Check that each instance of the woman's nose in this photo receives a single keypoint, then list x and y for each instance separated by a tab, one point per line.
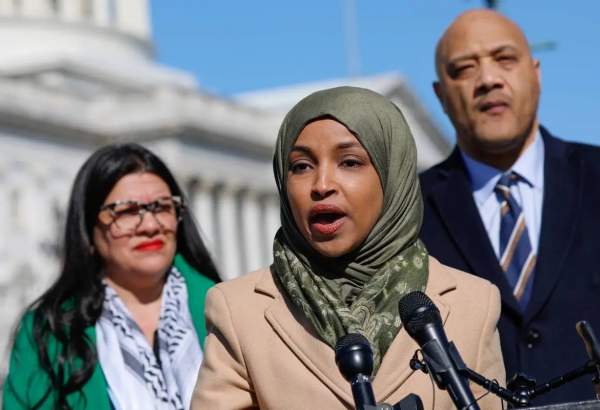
148	223
324	183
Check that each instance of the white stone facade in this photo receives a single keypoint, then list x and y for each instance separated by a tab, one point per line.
77	74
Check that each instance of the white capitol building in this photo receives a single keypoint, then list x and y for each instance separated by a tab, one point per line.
77	74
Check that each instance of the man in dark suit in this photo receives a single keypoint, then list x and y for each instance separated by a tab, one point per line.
513	204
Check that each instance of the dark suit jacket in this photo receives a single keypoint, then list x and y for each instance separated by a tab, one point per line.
542	341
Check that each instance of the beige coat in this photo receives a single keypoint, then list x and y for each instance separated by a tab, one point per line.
261	352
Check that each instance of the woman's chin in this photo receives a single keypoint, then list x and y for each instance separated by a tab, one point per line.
333	248
148	268
158	261
153	268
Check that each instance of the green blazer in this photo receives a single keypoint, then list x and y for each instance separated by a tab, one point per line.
27	383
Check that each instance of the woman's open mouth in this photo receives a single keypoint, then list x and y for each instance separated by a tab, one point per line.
326	219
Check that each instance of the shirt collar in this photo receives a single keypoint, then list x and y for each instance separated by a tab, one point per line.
529	166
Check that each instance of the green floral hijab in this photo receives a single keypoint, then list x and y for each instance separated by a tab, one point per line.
358	292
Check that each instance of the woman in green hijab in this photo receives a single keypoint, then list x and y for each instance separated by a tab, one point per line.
346	253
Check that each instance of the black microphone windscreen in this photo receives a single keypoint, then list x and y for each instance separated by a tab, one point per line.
417	310
423	322
349	340
353	355
585	331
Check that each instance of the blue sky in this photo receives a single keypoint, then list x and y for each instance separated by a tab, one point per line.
235	46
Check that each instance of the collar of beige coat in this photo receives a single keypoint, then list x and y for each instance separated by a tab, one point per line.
295	331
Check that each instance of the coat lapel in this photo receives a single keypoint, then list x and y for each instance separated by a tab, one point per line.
395	367
454	201
563	187
295	331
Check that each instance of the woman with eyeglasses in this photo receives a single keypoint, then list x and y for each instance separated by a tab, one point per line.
347	252
122	326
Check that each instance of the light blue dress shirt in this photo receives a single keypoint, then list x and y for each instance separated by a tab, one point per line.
528	191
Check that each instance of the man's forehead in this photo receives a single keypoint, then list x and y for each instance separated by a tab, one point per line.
479	31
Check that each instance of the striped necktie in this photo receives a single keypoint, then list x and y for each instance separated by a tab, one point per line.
517	258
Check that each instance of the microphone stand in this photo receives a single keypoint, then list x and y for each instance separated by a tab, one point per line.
527	391
592	347
410	402
521	389
524	389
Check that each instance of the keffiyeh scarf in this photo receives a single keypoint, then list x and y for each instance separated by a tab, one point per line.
138	375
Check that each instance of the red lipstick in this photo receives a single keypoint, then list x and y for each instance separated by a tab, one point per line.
154	245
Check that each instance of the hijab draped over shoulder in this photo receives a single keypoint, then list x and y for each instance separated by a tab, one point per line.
358	292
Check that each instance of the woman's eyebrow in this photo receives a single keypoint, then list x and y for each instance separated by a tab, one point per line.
301	148
348	144
341	146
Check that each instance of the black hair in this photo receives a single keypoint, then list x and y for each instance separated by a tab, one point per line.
74	301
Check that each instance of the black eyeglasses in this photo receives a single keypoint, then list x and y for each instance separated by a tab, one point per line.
127	216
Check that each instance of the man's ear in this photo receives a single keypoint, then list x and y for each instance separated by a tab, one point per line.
538	70
439	92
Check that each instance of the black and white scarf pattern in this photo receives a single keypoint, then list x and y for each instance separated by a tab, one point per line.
137	377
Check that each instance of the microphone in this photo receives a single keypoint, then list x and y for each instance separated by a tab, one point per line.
422	320
354	358
589	339
593	350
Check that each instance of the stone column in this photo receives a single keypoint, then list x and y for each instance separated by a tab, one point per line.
228	229
102	12
17	181
37	217
35	212
132	17
36	8
71	9
6	7
4	227
252	240
57	199
203	208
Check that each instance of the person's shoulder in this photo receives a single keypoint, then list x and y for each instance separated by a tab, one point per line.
585	151
429	177
434	171
244	282
242	300
458	280
24	329
248	286
572	148
474	301
23	356
25	341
